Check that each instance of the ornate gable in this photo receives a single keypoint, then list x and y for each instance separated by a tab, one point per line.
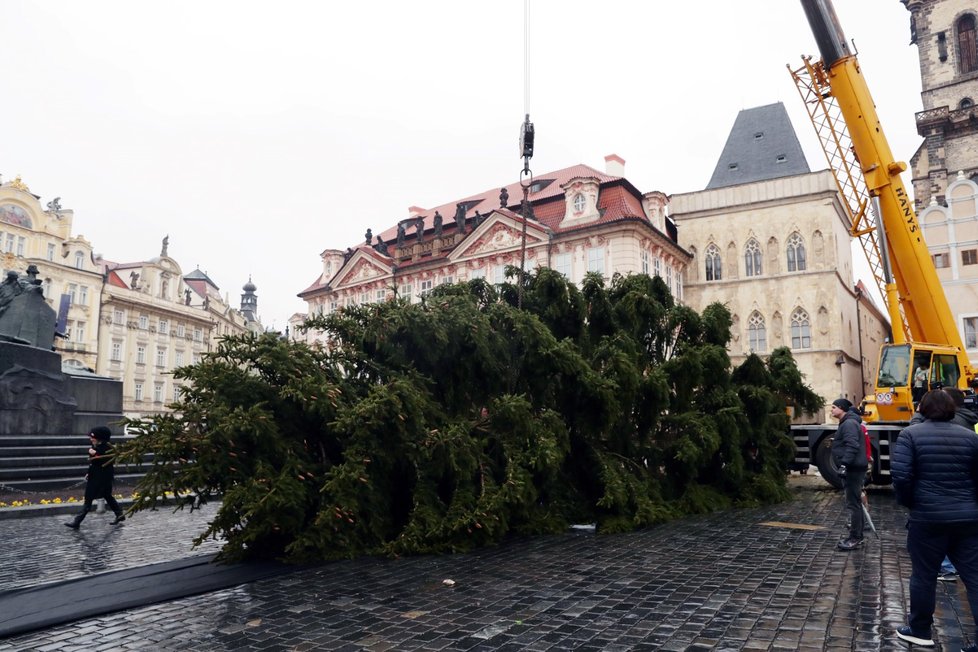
360	269
498	234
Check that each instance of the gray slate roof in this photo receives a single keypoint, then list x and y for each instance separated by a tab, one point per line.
762	145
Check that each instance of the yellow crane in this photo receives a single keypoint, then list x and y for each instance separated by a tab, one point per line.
926	350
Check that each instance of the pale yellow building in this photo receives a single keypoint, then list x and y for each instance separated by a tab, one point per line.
32	235
155	319
135	321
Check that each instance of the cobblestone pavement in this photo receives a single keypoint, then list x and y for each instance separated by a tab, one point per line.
725	581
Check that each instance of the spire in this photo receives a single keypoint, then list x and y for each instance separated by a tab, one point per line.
249	301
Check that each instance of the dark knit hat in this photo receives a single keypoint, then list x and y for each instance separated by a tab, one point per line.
102	433
842	404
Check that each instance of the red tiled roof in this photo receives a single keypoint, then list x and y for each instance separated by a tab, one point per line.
485	202
617	200
113	279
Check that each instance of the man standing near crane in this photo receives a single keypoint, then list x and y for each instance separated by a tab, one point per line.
849	453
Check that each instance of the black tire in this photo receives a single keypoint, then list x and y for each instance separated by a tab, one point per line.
823	460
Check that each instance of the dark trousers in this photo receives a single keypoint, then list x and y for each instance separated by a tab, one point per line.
927	545
854	501
94	493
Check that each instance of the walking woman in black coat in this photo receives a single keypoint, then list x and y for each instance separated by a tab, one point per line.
100	476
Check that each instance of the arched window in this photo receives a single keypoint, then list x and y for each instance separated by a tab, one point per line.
801	330
756	333
79	260
752	258
967	43
796	253
713	263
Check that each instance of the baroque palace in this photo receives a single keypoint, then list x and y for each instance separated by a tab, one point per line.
766	237
135	321
583	221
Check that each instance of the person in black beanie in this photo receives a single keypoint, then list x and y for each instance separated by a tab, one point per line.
100	476
849	454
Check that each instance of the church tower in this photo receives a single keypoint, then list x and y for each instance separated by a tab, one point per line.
249	301
944	32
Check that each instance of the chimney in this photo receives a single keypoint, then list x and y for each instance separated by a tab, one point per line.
614	165
415	211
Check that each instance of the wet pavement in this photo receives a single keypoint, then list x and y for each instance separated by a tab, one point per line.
750	579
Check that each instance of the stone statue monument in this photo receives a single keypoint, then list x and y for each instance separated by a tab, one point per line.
36	396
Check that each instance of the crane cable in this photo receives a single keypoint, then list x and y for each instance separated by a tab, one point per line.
526	150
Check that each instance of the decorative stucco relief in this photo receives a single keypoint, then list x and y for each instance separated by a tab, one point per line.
500	236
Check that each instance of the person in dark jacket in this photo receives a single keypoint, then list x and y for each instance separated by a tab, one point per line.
934	467
849	454
963	416
100	476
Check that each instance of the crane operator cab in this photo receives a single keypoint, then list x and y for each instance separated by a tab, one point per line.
906	373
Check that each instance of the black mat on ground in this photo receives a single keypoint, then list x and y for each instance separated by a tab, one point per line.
57	603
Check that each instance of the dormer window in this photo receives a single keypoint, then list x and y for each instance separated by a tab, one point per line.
579	203
537	186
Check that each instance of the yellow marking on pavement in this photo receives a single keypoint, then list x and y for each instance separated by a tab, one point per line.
413	614
793	526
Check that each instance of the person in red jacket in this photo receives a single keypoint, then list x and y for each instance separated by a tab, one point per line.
100	476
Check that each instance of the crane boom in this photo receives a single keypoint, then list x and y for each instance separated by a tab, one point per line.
925	339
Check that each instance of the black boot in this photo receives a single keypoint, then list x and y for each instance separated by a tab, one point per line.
119	518
75	523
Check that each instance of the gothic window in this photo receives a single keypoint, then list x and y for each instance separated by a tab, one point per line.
967	43
756	333
752	258
713	263
801	330
796	253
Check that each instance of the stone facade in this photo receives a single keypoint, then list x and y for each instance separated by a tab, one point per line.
583	220
945	167
778	254
945	34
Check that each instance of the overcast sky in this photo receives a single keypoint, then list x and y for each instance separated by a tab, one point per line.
256	135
